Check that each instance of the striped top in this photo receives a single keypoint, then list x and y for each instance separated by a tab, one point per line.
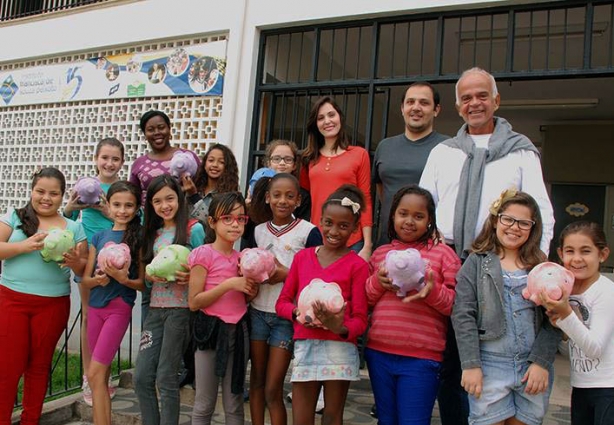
416	329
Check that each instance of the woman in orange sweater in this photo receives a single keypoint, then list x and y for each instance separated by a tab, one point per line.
329	162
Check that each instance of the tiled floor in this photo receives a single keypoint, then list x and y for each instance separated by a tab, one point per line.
360	400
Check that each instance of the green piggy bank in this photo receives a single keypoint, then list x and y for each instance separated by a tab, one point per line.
56	244
168	261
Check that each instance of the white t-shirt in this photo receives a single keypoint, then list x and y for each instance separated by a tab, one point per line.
284	243
520	170
591	336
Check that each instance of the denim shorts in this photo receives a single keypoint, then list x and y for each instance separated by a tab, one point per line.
503	393
269	327
322	360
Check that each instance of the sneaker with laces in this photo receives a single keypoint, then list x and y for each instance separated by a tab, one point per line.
87	392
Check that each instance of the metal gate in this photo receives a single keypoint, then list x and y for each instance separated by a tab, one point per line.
360	61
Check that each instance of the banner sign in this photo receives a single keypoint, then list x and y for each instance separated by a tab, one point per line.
196	70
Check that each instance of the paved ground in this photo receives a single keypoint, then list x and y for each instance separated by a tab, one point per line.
360	400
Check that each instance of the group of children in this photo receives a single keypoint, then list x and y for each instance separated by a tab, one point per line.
506	343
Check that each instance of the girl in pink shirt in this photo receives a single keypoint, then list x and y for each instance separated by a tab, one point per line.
327	355
220	296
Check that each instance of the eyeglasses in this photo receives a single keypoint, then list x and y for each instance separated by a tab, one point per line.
229	219
509	221
287	159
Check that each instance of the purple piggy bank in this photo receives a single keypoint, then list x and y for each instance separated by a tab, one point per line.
183	163
257	264
89	190
114	254
406	269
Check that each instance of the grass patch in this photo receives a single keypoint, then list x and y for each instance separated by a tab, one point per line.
66	378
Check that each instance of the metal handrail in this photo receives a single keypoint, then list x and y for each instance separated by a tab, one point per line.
15	9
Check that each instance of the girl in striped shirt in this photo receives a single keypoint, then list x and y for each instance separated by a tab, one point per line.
408	335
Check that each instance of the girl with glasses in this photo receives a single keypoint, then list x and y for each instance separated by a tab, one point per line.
281	156
507	349
220	296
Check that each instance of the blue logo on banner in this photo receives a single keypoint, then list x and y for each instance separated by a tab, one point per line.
8	89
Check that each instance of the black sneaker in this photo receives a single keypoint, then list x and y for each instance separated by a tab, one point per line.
186	377
373	412
245	395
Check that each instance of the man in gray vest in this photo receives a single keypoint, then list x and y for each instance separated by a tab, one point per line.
399	160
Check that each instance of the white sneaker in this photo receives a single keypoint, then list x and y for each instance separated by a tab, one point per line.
112	389
320	403
87	392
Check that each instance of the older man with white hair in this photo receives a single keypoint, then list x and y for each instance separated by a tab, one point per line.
465	175
468	172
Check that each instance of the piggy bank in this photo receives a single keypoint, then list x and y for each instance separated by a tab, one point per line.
56	244
183	163
555	279
257	264
168	262
328	293
89	190
114	254
406	269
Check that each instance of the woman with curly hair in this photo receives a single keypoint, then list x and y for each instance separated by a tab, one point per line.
156	126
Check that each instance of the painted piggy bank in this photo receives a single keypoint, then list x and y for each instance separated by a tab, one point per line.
328	293
183	163
257	264
114	254
406	269
89	190
168	261
56	244
555	279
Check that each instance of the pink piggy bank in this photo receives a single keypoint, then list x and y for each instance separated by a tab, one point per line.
406	269
89	190
328	293
113	254
257	264
555	279
183	163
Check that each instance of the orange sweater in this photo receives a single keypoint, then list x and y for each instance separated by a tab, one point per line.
351	167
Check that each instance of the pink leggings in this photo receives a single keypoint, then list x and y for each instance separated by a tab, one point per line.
106	327
30	326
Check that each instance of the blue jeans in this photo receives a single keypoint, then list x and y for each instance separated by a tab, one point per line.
164	339
404	387
594	406
269	327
